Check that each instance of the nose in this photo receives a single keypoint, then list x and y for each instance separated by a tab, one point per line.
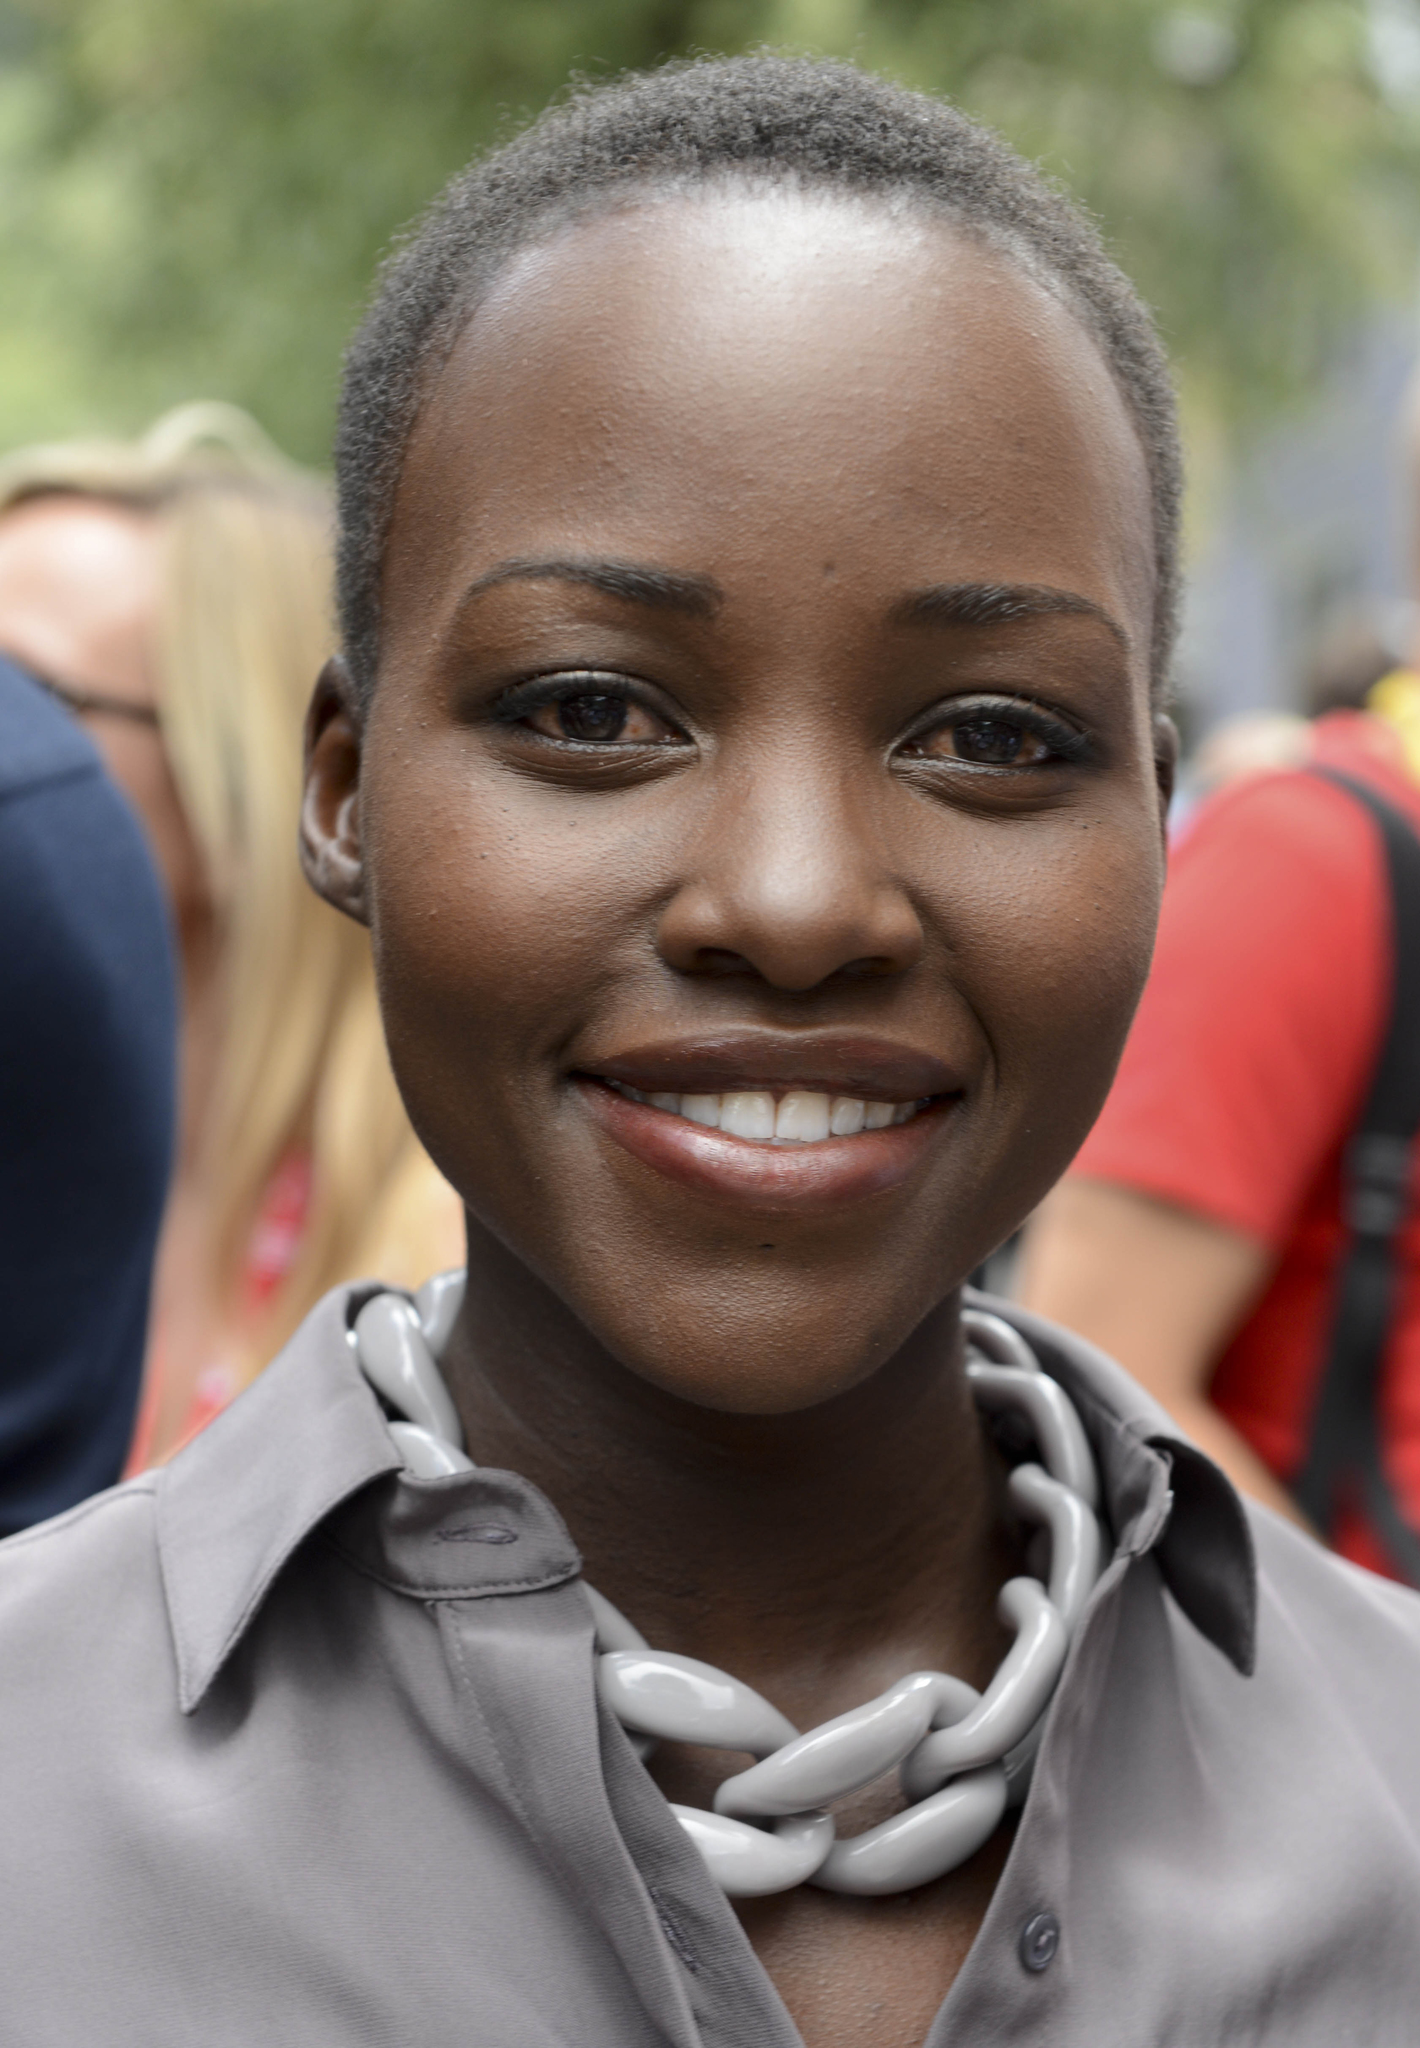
790	880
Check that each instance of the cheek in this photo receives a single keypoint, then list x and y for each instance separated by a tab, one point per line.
1059	953
491	924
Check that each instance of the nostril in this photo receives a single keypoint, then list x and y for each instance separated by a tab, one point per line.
719	960
866	969
791	931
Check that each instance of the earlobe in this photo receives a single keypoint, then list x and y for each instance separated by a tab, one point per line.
331	853
1166	749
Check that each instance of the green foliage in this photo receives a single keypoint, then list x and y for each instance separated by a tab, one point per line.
1257	209
196	191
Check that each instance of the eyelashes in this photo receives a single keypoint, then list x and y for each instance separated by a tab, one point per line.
997	733
587	708
595	711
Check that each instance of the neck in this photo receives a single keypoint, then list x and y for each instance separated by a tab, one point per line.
816	1554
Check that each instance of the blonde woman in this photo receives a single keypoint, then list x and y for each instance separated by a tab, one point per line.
175	593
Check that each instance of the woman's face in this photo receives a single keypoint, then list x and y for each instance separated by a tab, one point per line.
80	589
761	750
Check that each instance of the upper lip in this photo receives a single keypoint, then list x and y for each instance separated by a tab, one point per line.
871	1069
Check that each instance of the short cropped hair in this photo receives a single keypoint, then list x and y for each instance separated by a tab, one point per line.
811	122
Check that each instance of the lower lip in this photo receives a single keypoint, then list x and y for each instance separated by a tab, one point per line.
776	1179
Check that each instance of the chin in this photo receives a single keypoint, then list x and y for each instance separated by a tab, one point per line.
763	1370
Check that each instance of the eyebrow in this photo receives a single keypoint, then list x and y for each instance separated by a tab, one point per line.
670	590
942	604
998	604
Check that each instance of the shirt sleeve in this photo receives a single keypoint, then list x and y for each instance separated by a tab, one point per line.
1260	1024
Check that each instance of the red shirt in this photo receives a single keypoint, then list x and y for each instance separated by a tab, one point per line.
1246	1069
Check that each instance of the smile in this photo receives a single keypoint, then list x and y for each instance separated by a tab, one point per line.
793	1116
775	1149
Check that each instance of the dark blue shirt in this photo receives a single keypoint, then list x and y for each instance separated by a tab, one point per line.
87	1064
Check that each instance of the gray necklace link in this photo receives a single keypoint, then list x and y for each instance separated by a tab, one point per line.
963	1756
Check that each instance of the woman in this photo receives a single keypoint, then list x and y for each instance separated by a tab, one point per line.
758	514
176	594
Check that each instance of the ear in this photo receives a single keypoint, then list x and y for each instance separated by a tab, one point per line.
1166	745
331	854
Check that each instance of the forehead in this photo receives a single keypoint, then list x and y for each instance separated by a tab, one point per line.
742	380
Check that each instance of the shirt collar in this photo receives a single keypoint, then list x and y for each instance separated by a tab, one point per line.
1161	1493
310	1434
248	1491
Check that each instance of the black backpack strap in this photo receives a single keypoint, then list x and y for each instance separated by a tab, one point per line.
1345	1443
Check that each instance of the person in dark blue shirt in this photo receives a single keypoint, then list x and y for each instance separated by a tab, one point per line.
87	1075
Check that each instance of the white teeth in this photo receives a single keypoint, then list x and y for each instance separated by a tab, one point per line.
699	1109
748	1114
845	1119
801	1116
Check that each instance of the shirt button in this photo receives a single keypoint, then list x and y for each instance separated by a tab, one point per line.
477	1532
1040	1938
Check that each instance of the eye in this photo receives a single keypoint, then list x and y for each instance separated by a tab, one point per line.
992	742
589	711
594	717
997	735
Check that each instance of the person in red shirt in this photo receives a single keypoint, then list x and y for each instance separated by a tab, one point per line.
1199	1235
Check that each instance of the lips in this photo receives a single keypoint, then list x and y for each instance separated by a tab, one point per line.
870	1069
773	1124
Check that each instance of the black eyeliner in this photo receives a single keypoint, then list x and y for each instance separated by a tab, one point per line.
517	701
1067	742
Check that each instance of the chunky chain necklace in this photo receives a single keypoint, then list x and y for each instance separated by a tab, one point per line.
963	1756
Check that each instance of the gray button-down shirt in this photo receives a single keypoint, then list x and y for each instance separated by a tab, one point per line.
298	1749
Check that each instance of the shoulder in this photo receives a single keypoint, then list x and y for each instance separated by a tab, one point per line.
91	1678
103	1549
1300	826
84	1628
83	920
1277	882
75	857
1277	891
1329	1714
39	743
1318	1609
1297	1627
1283	834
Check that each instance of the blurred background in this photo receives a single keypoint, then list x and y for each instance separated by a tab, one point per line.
196	191
194	195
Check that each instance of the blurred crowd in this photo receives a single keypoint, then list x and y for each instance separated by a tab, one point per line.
1241	1229
164	608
